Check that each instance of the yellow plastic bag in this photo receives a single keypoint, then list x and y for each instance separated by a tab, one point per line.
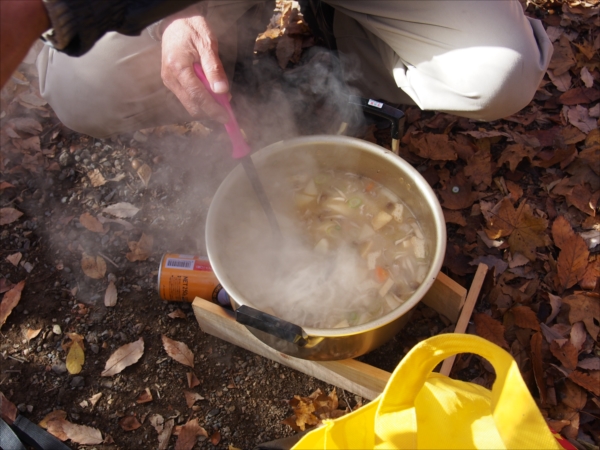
420	409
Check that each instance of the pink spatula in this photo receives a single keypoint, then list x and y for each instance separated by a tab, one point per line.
241	150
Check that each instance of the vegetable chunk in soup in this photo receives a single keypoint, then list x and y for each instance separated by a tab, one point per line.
344	212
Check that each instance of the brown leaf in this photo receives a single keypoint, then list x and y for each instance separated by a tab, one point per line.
562	82
32	143
562	58
455	217
5	185
110	296
526	231
215	438
26	125
432	146
14	258
479	165
189	434
590	382
192	380
32	334
578	335
9	301
590	363
286	46
458	193
82	434
141	250
9	215
525	318
123	357
561	231
555	304
144	397
8	410
144	172
591	275
57	414
585	308
566	354
177	314
579	117
55	428
93	267
490	329
538	365
5	285
191	397
96	178
573	396
121	210
572	262
579	95
129	423
91	223
165	434
178	351
580	197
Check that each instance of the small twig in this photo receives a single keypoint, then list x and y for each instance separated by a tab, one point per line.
109	260
12	371
16	358
51	389
4	379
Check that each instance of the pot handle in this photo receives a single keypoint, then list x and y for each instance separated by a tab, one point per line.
271	325
380	109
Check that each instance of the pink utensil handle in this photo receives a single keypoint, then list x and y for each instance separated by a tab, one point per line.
240	147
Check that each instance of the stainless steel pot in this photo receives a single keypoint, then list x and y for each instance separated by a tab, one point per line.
340	153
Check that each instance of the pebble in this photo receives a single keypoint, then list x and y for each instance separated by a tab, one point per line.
59	368
77	381
56	329
64	159
213	412
94	348
107	383
111	277
22	407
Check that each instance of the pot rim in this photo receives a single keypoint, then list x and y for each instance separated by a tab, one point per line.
387	155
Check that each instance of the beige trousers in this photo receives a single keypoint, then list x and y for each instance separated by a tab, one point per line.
474	58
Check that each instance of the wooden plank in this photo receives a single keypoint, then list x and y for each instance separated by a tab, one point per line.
351	375
446	296
466	312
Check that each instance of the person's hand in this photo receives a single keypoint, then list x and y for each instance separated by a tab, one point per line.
184	42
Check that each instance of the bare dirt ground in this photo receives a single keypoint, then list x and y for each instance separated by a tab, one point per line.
537	171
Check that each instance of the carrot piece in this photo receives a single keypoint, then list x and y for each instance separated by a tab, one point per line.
370	186
381	274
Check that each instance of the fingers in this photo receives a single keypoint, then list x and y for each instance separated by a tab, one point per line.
185	42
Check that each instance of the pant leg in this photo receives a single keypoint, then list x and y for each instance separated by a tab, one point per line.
116	87
478	59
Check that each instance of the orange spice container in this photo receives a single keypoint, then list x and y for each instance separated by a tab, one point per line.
181	278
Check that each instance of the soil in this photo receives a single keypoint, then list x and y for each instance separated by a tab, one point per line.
245	396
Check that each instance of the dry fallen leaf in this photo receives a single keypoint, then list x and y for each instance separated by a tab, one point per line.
189	434
165	434
123	357
572	262
591	275
110	296
129	423
538	365
76	354
141	250
14	258
192	380
8	410
585	308
95	398
514	154
178	351
177	314
54	415
82	434
191	397
93	267
96	178
145	172
9	301
432	146
590	381
9	215
525	318
145	397
215	438
92	224
490	329
121	210
526	232
32	334
565	352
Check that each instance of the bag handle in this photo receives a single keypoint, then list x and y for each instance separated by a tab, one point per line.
511	400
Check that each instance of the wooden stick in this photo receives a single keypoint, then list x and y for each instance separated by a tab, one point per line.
446	296
467	310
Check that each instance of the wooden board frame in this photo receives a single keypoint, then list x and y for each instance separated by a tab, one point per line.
445	296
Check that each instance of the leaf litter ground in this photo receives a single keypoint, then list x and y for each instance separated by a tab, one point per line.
84	223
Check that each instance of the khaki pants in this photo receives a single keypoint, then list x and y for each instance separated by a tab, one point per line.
473	58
